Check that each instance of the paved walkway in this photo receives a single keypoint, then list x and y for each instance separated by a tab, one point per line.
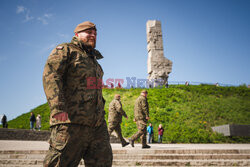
41	145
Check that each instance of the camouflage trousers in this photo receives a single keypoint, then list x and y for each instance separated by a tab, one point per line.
142	132
70	143
117	128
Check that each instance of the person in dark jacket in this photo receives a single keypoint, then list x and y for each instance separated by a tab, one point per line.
160	133
4	121
32	121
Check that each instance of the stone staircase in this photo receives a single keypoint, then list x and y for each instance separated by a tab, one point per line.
156	156
34	135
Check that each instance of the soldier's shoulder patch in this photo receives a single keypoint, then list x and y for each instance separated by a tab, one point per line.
60	47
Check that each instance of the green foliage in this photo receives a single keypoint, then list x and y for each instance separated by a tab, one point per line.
22	122
187	113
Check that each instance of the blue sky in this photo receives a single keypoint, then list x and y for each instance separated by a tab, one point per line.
207	40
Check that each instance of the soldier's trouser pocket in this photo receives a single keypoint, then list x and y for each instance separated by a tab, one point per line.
141	125
58	141
59	137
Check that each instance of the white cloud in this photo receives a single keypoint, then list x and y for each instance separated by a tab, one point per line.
27	16
47	15
44	19
25	12
20	9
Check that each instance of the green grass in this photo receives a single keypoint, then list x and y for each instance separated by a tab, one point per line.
187	113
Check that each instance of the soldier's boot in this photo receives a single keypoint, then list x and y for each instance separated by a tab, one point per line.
146	146
125	144
119	134
131	141
144	141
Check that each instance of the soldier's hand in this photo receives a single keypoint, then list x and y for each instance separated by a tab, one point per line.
62	116
147	118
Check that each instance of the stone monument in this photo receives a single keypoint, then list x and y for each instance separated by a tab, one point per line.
159	67
233	130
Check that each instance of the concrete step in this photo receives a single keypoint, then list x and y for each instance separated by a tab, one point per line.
182	163
21	162
14	162
181	151
112	166
181	157
124	157
142	156
146	151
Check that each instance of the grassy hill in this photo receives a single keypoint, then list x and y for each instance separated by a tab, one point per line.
187	113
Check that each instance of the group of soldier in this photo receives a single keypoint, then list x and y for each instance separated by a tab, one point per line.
77	124
141	116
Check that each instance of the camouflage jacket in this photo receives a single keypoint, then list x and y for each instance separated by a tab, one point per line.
72	84
141	110
116	112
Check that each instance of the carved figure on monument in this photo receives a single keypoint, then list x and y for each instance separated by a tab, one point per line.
159	67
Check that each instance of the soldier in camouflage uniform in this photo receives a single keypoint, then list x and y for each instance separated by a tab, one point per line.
141	116
72	84
115	118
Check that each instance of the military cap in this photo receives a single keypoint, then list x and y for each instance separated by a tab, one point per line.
84	26
144	91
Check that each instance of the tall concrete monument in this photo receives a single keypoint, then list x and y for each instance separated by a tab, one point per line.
159	67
